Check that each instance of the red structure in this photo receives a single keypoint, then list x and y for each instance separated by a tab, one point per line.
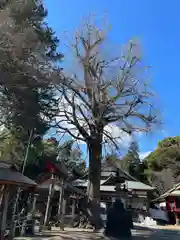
50	167
171	204
172	200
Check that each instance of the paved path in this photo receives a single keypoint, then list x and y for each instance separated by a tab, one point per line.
140	233
167	234
157	233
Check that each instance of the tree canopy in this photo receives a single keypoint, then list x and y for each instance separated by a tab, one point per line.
51	150
29	48
165	155
163	164
131	161
12	151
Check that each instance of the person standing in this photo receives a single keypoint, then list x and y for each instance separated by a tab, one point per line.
119	222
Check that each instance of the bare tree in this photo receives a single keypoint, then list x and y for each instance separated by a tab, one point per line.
109	92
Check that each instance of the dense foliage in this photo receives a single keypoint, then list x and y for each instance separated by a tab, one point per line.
162	166
53	151
131	161
29	49
40	151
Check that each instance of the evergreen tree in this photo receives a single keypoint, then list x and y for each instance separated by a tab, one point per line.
72	157
51	150
131	162
29	52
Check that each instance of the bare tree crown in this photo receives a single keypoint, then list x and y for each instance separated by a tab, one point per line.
89	104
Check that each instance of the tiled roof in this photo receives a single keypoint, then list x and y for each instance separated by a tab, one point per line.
138	186
82	183
172	192
112	165
9	175
130	184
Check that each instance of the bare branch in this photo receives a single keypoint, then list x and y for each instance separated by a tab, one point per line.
110	91
112	139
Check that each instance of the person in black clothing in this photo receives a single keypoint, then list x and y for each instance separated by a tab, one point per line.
119	222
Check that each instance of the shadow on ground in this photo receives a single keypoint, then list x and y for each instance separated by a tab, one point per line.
139	233
77	235
66	235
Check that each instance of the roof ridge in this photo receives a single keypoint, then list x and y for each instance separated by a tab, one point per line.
120	168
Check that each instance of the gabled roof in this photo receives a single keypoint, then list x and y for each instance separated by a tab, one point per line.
171	192
57	185
83	183
138	186
131	185
9	175
4	164
109	170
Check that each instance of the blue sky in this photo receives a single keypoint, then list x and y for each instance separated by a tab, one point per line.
157	25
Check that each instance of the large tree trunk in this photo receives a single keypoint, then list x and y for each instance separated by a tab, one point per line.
95	153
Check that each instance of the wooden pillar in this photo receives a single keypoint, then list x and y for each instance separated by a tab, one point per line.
51	188
4	213
73	211
63	212
33	210
177	219
73	207
64	206
61	195
1	201
24	224
1	194
34	204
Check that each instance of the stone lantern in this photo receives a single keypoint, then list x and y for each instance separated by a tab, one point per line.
113	175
